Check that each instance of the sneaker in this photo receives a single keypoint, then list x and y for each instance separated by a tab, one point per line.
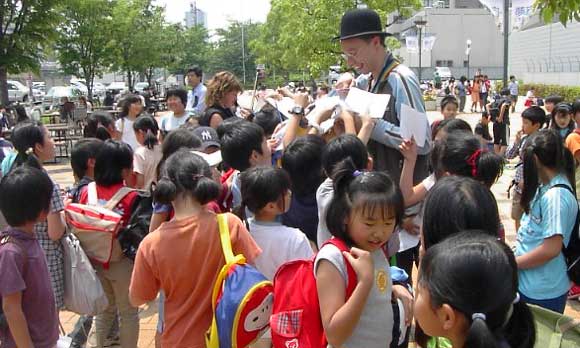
574	292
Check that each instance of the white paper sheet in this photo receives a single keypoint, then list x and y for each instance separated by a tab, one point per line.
284	105
413	124
327	102
366	103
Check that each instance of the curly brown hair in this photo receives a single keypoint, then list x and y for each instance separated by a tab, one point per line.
221	83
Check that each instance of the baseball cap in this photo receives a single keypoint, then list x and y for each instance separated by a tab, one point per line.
208	137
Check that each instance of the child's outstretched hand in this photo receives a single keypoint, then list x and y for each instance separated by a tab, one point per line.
362	263
408	149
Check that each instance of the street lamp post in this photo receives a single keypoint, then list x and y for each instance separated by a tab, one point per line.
420	23
468	53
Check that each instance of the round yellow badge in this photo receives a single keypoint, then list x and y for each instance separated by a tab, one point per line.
381	280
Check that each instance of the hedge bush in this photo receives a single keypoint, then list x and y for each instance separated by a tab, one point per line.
569	93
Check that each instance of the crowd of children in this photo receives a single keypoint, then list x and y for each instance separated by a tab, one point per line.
287	187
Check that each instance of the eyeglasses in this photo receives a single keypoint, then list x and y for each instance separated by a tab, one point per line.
347	55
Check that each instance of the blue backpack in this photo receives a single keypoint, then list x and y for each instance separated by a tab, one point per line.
242	299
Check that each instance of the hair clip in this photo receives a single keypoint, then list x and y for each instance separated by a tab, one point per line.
29	151
476	316
472	162
356	173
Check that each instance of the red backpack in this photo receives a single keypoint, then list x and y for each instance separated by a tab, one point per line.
295	320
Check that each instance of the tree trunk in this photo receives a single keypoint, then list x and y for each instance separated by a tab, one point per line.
4	100
130	80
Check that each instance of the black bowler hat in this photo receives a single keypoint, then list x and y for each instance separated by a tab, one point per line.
360	22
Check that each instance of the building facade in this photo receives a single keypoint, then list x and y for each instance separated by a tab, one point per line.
452	23
546	53
195	16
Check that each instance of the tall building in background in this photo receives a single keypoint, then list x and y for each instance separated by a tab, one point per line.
195	16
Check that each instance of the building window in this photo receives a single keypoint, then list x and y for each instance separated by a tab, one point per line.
436	3
468	4
443	63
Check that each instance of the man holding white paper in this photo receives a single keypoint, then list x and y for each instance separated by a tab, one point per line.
362	42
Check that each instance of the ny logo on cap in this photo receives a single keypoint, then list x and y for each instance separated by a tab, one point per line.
206	135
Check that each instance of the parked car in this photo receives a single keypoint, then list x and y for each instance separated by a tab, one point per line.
41	86
117	87
444	72
17	92
80	84
55	95
99	90
141	86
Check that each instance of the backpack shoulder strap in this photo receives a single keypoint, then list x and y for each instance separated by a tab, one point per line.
407	90
351	274
118	197
92	193
577	223
225	237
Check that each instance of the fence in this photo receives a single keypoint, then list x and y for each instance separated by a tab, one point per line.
494	73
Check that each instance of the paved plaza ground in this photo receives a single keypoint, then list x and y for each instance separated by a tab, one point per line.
62	174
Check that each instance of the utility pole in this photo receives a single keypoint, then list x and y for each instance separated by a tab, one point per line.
506	33
420	23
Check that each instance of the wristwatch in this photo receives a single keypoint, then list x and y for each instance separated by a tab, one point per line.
297	110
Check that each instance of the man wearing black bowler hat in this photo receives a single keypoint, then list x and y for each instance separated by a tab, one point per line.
362	41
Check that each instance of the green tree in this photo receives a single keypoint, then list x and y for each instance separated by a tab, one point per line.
567	10
229	54
298	34
195	49
26	27
84	41
134	34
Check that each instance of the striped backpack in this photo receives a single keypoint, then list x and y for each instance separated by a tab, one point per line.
242	299
97	227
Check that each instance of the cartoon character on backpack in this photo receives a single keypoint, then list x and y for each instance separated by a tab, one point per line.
242	300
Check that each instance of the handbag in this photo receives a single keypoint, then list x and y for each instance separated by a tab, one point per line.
555	330
83	292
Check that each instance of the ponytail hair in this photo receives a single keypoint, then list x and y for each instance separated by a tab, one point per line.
362	192
545	145
186	173
24	138
148	125
98	125
461	154
488	296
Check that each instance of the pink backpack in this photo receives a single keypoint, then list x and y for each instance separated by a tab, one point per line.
295	320
97	227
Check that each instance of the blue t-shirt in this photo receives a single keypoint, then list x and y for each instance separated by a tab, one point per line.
552	212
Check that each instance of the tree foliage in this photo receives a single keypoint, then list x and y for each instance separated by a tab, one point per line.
298	34
566	10
137	25
84	42
26	27
229	54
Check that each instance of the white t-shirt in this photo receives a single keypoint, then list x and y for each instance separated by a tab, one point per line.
169	122
279	245
375	326
125	126
145	162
